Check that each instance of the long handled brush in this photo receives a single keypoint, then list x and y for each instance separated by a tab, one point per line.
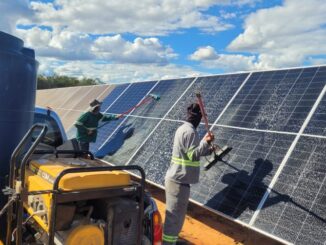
219	152
148	98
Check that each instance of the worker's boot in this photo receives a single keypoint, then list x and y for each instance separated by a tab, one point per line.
182	242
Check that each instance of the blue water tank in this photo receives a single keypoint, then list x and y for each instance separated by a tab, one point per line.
18	69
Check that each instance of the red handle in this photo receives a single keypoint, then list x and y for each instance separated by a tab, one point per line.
136	106
203	112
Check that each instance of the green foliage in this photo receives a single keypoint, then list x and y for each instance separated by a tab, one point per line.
56	81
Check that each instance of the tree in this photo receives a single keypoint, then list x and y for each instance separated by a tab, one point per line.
57	81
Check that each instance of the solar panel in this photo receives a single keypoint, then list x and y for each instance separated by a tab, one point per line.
263	150
115	93
131	97
155	155
262	114
216	92
126	140
275	100
317	125
236	187
169	91
103	133
301	217
274	178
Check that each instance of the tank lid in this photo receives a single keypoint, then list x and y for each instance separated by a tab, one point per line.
9	42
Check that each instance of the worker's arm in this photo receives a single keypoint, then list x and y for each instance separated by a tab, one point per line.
193	150
110	117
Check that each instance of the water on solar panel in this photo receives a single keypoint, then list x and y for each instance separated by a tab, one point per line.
104	133
168	91
317	124
126	140
133	95
301	218
236	187
216	92
278	100
115	93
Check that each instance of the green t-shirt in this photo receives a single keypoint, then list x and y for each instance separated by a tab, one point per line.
89	121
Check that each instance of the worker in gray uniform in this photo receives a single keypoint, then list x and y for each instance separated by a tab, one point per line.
183	171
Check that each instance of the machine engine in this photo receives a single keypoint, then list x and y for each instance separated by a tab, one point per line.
86	215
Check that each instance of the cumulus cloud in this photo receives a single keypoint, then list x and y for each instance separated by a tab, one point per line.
12	12
64	44
204	53
115	73
67	45
146	17
209	58
233	62
148	50
286	35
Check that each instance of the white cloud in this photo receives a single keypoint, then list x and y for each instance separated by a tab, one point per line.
209	58
286	35
148	50
115	73
67	45
64	44
204	53
146	17
12	12
233	62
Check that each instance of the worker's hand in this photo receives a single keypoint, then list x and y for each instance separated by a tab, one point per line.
89	131
118	116
209	137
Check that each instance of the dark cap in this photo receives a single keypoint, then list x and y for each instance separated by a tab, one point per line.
95	103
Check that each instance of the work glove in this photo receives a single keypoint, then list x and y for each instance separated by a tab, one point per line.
118	116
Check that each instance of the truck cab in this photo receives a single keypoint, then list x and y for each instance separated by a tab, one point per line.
56	134
54	139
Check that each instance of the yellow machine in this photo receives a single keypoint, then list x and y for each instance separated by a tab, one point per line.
68	197
41	175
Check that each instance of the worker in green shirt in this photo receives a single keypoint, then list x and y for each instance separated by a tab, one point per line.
87	124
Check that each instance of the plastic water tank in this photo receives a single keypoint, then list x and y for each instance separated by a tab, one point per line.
18	69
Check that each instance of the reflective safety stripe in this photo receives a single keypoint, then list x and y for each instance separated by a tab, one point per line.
171	239
190	152
184	162
78	123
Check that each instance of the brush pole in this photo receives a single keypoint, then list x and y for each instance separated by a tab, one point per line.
136	106
203	112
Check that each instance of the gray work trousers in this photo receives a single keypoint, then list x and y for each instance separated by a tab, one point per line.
83	146
177	197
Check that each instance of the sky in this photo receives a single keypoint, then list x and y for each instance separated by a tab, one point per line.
129	41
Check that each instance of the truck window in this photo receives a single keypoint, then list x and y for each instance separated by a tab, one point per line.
53	136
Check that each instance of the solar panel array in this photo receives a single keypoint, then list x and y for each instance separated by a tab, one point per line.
274	179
